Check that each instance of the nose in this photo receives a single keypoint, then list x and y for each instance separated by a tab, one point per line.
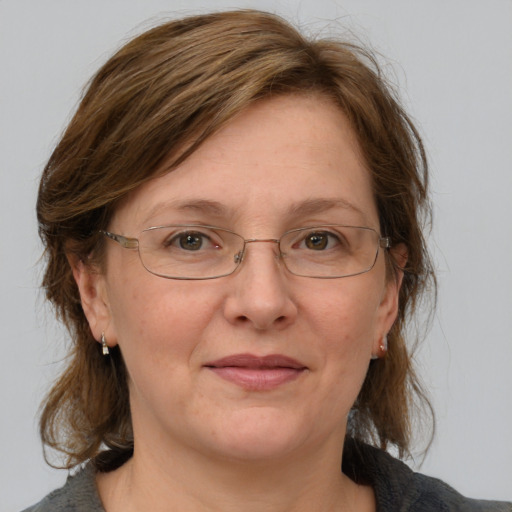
260	290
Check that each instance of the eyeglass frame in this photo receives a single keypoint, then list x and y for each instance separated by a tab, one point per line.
126	242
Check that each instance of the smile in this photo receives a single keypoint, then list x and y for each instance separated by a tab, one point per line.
255	373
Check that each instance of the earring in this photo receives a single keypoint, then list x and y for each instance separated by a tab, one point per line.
383	348
104	345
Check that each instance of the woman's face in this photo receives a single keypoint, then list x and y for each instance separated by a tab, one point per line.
283	163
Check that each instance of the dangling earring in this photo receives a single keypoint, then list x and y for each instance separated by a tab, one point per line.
104	345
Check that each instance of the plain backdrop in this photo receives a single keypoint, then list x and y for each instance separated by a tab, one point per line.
452	61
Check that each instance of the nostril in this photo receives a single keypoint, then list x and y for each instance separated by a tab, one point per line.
242	319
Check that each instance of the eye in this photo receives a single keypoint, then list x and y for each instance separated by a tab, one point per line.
320	240
191	241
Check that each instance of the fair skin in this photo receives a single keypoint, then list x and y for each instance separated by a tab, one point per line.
204	443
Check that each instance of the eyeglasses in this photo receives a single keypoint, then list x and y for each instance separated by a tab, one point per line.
208	252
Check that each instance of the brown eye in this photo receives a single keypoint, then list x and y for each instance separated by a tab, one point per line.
317	241
190	241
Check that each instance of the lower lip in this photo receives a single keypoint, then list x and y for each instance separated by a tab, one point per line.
257	379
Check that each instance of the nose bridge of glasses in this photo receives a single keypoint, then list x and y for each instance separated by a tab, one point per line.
239	256
266	240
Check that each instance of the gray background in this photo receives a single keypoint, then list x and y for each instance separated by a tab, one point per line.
453	63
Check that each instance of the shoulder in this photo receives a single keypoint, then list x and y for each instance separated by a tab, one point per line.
431	494
397	487
79	494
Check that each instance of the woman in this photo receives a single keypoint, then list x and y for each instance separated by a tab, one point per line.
232	224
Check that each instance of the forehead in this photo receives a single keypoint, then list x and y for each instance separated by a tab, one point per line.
285	156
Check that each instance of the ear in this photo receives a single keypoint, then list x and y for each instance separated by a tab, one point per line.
92	287
388	307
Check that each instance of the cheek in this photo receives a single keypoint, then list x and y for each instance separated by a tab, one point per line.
347	311
153	317
160	329
345	323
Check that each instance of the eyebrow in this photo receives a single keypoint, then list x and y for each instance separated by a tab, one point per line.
216	209
320	205
204	206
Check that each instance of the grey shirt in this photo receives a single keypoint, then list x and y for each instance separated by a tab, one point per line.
397	488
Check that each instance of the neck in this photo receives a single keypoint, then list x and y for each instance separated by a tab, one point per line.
152	480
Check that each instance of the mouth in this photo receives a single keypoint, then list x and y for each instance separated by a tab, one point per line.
254	373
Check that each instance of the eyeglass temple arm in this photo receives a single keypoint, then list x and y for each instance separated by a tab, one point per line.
123	241
385	242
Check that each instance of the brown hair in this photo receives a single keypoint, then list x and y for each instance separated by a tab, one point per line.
164	93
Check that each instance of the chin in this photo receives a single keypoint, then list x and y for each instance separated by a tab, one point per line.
260	435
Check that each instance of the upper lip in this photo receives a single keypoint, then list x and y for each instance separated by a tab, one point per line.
252	361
